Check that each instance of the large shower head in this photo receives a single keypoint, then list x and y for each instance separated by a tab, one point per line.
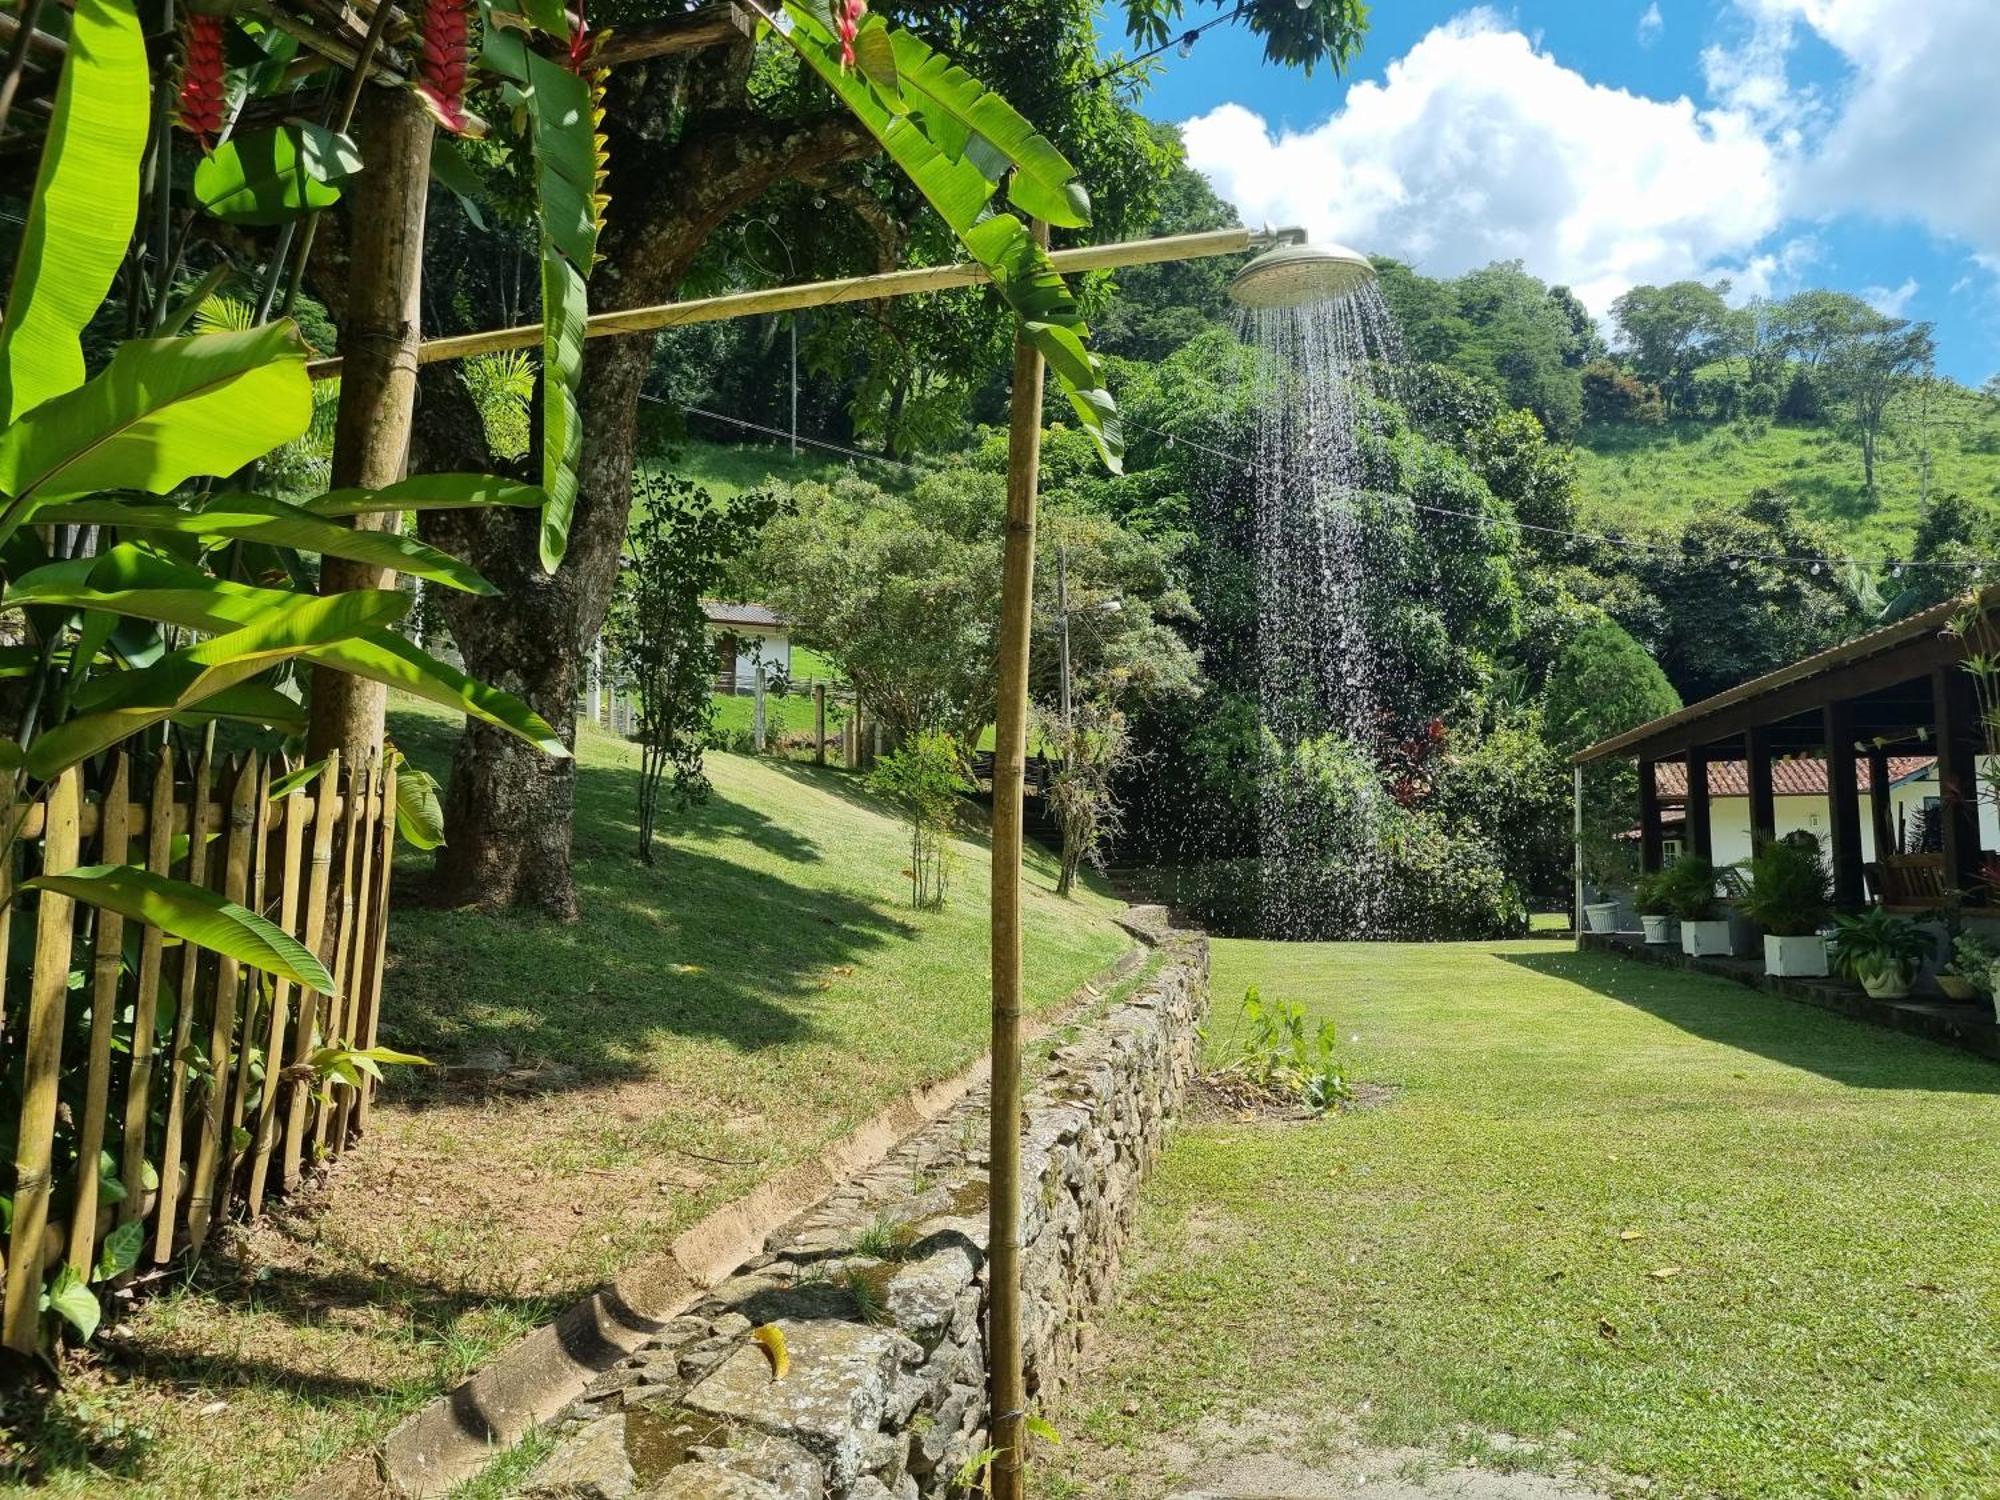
1294	275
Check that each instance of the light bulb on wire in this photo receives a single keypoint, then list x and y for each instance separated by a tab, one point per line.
1187	43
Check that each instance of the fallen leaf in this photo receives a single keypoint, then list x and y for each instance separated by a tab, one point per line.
843	968
1607	1329
685	968
1665	1273
771	1338
1629	1235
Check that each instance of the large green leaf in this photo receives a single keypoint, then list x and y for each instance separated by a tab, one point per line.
271	175
926	123
86	199
130	582
565	314
122	704
430	492
161	411
252	518
76	1304
194	915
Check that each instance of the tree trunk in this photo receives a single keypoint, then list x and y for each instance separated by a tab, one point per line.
509	809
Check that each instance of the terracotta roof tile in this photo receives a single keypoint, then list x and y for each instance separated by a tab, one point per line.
1789	778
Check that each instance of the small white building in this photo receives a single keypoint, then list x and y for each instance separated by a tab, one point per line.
747	636
1800	799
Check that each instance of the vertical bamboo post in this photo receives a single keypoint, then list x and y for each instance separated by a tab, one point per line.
190	972
355	862
107	966
1008	1386
254	981
368	979
146	999
211	1144
312	1006
41	1065
378	384
292	876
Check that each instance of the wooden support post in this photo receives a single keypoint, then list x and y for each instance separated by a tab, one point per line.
1649	816
1576	812
1881	819
819	723
1763	796
1955	703
1700	825
378	387
1007	1384
757	711
1843	794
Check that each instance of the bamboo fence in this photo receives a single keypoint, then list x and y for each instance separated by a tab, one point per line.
174	1074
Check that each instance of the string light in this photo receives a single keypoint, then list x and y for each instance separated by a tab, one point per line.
1184	42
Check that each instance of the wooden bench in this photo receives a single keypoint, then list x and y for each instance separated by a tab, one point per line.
1908	881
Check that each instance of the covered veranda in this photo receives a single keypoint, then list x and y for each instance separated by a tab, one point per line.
1902	690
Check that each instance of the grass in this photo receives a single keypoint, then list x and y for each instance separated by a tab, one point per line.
710	1021
727	470
1652	1224
1638	477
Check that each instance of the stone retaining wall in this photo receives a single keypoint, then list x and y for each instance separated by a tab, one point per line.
879	1293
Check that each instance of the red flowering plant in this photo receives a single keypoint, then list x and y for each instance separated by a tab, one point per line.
442	61
204	73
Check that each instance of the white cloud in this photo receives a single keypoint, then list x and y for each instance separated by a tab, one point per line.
1477	147
1911	134
1651	24
1771	273
1891	302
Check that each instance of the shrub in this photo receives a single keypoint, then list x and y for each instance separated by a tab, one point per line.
1652	896
1281	1057
924	778
1688	888
1612	395
1876	944
1791	890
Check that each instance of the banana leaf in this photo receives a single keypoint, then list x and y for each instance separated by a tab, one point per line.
194	915
85	202
268	176
161	411
430	492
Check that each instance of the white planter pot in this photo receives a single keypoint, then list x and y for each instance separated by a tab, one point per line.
1957	987
1706	939
1602	916
1889	984
1795	957
1658	929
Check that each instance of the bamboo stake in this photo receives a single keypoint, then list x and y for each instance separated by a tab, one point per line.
41	1065
336	1003
312	1005
253	987
190	969
145	1003
352	984
202	1191
1008	1385
139	819
378	934
292	877
107	963
822	294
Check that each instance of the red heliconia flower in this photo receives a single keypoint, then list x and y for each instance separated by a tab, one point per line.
847	16
199	109
442	63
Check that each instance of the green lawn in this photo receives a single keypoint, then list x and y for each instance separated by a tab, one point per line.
728	469
711	1020
1657	1225
1639	477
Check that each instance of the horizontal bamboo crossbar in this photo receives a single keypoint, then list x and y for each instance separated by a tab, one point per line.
779	299
141	818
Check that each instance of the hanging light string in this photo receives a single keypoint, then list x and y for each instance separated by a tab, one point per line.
1185	41
1894	566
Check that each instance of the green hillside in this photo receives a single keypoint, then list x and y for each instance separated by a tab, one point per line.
1631	476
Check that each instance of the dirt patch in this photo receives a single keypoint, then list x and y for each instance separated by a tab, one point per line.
1231	1099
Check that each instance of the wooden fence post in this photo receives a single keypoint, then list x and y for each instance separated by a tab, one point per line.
819	723
146	999
107	964
291	876
190	967
312	1005
757	720
48	997
212	1146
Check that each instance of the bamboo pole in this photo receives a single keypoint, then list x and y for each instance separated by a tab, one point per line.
140	817
292	876
822	294
1008	1387
337	1009
312	1004
213	1144
107	965
352	982
145	1001
255	983
378	935
41	1065
171	1151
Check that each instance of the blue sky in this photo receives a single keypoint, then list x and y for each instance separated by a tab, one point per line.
1782	143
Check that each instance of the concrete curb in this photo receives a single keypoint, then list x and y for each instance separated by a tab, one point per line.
453	1438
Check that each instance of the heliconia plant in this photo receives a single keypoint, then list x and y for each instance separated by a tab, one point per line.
204	71
442	61
847	16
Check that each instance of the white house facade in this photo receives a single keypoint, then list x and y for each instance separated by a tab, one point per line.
747	636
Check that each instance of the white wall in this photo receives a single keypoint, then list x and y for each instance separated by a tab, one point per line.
1729	818
772	646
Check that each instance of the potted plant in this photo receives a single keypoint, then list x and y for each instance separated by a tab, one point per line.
1656	914
1882	951
1688	887
1790	896
1968	973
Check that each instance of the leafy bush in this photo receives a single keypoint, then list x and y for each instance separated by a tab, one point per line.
1652	896
1688	888
924	778
1875	944
1972	959
1791	889
1282	1057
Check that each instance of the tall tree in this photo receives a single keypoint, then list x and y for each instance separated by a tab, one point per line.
1669	332
695	141
1869	368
